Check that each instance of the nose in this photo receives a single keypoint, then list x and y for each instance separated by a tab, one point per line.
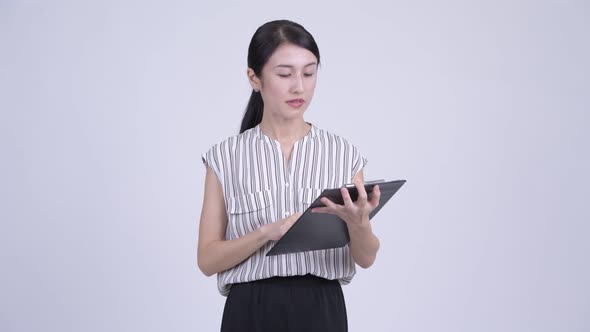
297	84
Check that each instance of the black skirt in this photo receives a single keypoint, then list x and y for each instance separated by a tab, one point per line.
289	304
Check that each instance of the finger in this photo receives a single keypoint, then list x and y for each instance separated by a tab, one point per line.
293	218
330	207
346	197
376	196
296	216
329	204
322	210
289	223
360	187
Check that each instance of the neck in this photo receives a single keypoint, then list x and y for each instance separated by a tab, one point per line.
284	130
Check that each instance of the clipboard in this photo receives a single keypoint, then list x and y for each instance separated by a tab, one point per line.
316	231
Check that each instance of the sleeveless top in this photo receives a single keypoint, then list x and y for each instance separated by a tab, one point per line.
260	187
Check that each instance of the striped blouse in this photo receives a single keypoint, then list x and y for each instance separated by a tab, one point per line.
260	187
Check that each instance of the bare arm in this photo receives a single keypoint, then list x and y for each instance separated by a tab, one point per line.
215	254
363	243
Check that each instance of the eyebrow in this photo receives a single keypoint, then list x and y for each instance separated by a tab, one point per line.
291	66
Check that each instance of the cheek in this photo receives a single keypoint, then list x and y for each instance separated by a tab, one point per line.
311	85
275	87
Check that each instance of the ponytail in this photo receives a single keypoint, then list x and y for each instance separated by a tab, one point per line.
253	114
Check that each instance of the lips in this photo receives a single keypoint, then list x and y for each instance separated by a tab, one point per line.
296	103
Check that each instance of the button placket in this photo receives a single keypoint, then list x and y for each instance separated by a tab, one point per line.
289	194
288	188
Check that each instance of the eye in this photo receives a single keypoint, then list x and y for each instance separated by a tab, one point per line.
308	74
284	75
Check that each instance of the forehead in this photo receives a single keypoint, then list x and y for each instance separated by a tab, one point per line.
292	55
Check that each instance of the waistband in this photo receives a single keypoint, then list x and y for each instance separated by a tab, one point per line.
303	280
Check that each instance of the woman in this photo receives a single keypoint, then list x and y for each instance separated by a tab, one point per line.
259	182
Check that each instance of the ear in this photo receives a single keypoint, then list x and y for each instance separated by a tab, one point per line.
253	79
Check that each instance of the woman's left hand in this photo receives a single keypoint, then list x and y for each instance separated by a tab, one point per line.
353	213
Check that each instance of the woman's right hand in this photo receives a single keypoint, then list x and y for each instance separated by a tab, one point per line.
275	230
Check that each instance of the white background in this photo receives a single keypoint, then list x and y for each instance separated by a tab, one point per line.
483	106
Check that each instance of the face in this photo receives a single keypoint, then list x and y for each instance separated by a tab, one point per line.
287	81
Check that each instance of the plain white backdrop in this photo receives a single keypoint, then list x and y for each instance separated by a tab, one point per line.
483	106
